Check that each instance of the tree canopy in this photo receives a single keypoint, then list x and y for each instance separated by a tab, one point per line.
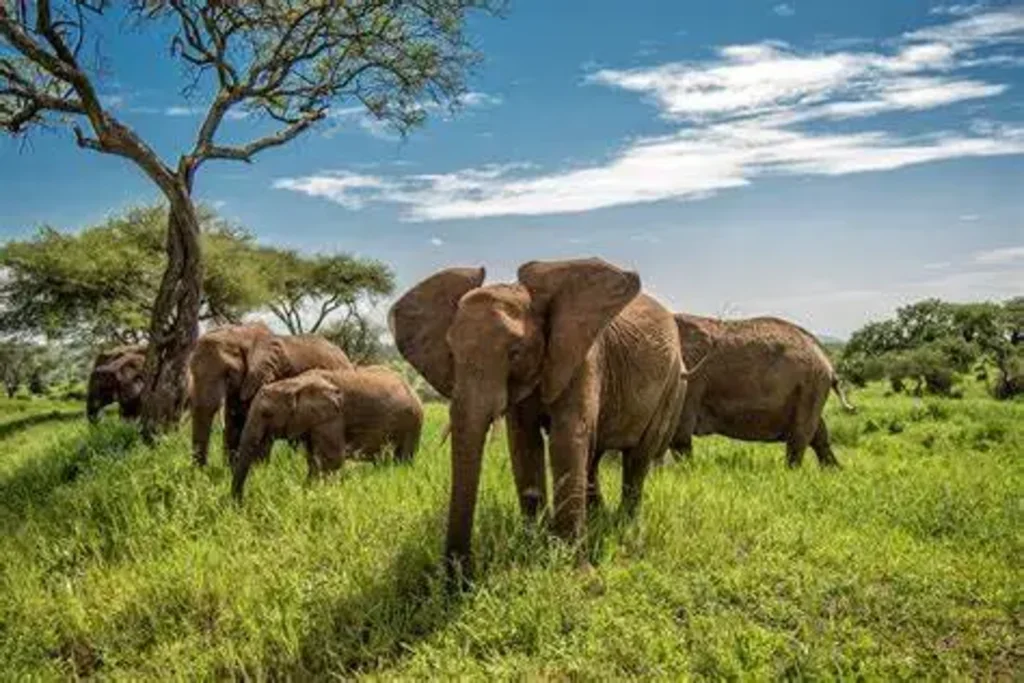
98	285
930	342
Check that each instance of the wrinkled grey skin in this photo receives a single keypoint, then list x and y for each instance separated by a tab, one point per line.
336	414
764	379
573	349
231	363
116	377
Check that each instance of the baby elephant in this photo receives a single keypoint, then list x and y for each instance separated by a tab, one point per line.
334	413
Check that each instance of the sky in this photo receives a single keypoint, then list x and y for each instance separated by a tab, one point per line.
817	160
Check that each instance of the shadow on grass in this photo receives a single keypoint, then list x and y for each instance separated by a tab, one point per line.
410	600
33	483
14	426
405	604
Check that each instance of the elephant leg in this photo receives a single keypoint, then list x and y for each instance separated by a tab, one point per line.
235	412
314	468
240	472
635	465
570	450
682	442
594	499
526	445
795	447
407	443
822	448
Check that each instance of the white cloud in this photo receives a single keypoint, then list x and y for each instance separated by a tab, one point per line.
960	10
970	217
740	117
182	111
379	128
341	187
436	241
480	99
784	9
938	265
1000	256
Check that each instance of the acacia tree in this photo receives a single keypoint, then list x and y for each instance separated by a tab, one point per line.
98	285
286	60
305	291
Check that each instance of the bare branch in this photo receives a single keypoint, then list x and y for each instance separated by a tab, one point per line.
246	152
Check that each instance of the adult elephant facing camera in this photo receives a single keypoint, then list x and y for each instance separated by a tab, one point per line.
574	349
230	364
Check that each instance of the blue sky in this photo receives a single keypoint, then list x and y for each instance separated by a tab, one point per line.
824	161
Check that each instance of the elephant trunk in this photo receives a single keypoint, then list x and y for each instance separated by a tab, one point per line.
96	399
256	441
92	408
206	401
470	419
202	421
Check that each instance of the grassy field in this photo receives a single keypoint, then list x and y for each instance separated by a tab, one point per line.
124	562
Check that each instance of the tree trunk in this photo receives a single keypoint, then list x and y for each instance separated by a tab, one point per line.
174	326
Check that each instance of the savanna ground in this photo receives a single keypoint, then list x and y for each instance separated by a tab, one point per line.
123	562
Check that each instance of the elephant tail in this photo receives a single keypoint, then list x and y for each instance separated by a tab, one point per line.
847	406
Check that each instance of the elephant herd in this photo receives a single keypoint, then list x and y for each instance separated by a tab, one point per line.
573	351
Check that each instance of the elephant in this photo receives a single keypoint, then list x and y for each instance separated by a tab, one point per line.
231	363
765	379
573	349
334	413
116	377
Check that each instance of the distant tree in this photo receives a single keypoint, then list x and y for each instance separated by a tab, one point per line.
360	338
932	342
304	292
99	285
875	338
285	60
17	362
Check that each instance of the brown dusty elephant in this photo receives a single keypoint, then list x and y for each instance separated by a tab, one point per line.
573	349
116	377
230	364
765	379
335	413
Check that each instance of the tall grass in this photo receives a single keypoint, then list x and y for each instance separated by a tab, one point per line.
125	562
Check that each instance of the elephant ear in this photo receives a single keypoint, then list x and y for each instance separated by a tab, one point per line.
419	322
695	337
265	365
578	299
314	403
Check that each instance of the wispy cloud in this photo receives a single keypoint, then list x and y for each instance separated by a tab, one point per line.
784	9
958	10
970	218
379	128
436	241
1000	256
182	111
742	116
938	265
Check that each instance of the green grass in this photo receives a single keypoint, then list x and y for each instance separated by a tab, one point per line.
124	562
